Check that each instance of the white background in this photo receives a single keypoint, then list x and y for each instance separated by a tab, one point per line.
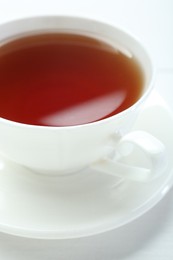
150	236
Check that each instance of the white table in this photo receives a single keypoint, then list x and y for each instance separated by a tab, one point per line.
150	236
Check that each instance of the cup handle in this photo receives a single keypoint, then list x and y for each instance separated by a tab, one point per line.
148	145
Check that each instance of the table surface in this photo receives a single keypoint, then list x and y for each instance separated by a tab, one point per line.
151	235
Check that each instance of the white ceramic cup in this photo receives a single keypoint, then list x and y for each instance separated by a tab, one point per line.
62	150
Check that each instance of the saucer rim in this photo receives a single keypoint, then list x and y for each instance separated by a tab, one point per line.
96	230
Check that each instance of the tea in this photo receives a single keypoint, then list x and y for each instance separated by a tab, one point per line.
63	79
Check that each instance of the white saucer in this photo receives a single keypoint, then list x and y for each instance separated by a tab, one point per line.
87	202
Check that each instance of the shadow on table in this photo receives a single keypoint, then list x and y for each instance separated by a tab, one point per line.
119	244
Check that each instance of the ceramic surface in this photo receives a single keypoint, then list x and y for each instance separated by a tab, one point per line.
87	202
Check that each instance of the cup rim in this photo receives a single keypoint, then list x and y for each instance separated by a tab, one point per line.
100	121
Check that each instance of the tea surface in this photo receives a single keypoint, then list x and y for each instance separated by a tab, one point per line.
59	79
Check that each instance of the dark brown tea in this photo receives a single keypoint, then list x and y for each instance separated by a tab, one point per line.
59	79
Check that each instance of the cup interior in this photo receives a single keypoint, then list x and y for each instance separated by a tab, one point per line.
110	34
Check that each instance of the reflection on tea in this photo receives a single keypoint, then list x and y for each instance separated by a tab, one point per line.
63	79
